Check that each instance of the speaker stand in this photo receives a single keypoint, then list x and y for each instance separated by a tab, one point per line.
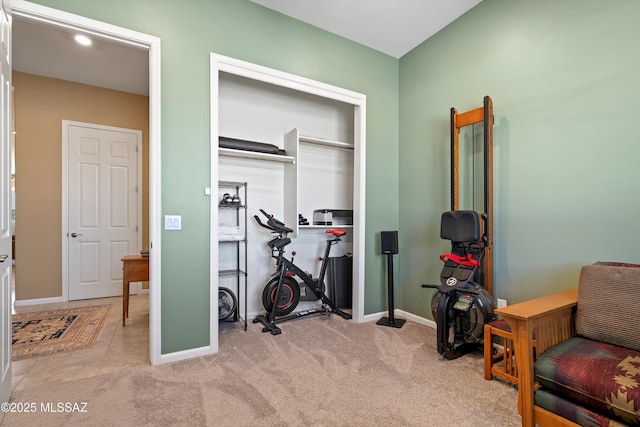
391	320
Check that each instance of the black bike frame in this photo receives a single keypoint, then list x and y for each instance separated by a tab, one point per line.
285	267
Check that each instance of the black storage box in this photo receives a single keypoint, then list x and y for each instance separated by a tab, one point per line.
339	280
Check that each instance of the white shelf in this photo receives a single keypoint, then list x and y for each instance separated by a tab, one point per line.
227	239
326	142
326	227
327	171
229	152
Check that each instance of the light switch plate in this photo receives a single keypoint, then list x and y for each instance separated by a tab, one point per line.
173	222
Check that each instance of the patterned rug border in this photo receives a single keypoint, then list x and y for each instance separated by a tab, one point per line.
82	333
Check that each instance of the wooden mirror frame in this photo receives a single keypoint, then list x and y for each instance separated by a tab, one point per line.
482	114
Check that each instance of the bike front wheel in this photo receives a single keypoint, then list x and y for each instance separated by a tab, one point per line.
289	295
227	303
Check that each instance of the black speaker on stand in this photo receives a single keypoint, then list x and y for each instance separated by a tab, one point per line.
389	247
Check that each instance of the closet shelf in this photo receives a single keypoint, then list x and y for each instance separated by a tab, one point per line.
326	142
327	227
231	184
237	239
230	152
227	239
231	273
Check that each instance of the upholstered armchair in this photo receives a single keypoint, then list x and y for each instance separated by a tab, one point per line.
587	364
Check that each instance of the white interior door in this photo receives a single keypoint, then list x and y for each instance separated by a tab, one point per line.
5	231
102	182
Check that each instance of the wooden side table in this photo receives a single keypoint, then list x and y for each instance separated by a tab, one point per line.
135	269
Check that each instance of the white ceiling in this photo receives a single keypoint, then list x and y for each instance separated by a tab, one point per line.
52	52
393	27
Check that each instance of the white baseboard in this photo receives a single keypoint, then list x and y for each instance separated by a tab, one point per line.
402	315
38	301
374	316
185	354
416	319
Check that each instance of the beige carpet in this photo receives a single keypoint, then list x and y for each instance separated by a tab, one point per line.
319	372
54	331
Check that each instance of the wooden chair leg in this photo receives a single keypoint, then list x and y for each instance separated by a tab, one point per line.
488	352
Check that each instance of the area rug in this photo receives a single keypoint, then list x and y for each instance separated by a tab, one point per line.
54	331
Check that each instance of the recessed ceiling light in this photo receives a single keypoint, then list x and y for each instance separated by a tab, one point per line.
83	40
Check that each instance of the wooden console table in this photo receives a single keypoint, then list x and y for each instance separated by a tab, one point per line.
135	269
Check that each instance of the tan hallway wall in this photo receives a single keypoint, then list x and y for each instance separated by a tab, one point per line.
41	104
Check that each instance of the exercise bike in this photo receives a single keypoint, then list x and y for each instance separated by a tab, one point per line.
281	294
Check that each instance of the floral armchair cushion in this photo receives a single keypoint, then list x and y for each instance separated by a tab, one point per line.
595	375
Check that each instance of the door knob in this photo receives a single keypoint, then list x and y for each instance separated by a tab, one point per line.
75	234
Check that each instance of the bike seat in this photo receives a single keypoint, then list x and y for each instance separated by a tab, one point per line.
337	233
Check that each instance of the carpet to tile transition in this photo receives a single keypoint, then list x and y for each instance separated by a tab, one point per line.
54	331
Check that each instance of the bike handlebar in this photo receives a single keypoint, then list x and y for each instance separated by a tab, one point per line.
260	223
272	223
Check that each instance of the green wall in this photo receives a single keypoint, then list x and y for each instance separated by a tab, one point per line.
564	80
189	31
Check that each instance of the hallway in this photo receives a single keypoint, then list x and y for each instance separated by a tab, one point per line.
117	349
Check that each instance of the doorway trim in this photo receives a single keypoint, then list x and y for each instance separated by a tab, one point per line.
57	18
65	195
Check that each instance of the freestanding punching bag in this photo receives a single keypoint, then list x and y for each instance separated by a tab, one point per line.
389	247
